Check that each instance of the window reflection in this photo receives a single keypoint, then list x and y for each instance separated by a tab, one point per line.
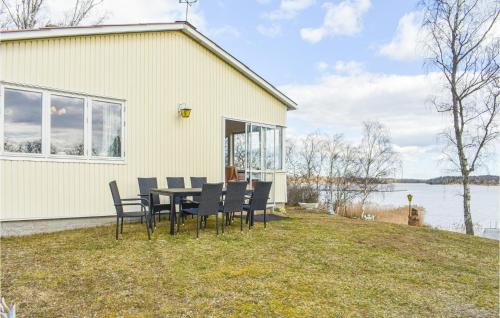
279	148
106	129
269	148
255	151
239	150
22	121
66	125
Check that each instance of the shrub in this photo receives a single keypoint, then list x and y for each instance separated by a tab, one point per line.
298	193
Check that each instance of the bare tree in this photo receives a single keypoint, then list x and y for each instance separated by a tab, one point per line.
26	14
333	149
377	160
3	22
312	155
463	49
82	10
292	162
346	172
22	14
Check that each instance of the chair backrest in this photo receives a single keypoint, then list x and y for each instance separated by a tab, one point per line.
210	198
260	195
145	184
175	182
235	196
197	182
116	197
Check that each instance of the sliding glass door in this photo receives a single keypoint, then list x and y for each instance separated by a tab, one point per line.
256	150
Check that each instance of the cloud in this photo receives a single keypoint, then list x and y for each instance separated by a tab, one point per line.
226	31
322	66
345	18
289	9
340	102
349	67
271	31
133	11
341	67
408	42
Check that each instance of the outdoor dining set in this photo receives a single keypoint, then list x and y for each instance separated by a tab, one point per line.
201	200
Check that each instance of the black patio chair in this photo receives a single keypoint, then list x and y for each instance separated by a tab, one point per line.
209	205
121	214
258	201
145	184
177	183
233	201
196	182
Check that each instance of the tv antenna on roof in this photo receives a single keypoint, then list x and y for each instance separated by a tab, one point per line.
188	4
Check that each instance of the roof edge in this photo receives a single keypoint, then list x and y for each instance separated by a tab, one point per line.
183	26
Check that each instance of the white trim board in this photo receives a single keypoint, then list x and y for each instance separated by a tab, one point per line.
184	27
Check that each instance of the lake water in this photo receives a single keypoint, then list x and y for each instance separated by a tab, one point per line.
444	204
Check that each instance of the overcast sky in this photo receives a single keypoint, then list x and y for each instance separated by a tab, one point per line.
342	61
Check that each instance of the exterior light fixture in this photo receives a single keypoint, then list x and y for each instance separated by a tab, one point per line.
183	110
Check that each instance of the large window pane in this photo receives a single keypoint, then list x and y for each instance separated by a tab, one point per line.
106	129
255	151
269	148
239	151
66	125
279	148
22	121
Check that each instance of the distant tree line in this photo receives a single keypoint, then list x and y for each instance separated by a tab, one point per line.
477	180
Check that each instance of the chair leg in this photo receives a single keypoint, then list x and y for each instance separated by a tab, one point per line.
141	219
197	225
179	217
265	225
224	216
159	217
217	224
147	227
241	221
121	230
117	224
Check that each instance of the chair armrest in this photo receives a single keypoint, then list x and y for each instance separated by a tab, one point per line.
131	199
128	204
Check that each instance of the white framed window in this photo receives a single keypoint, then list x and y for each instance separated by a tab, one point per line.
47	124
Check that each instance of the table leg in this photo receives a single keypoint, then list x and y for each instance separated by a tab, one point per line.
150	218
172	214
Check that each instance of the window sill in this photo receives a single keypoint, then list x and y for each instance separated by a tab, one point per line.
23	157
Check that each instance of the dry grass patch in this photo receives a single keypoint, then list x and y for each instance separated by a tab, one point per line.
311	265
396	215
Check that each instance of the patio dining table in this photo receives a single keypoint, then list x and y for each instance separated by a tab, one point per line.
176	194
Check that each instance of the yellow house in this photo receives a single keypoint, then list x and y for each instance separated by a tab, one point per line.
81	106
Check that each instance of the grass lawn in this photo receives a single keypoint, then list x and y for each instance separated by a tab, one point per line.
311	265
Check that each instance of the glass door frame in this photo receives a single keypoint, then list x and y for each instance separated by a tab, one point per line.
249	171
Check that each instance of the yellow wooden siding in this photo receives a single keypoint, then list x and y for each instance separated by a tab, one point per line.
280	187
153	72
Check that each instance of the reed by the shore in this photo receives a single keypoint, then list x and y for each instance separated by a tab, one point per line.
395	215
